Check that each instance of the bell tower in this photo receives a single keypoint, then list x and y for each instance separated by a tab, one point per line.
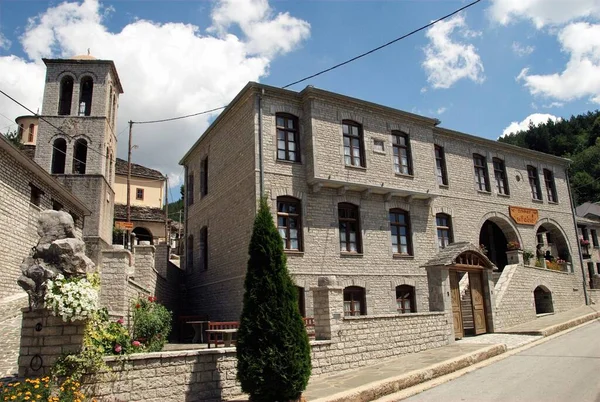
76	139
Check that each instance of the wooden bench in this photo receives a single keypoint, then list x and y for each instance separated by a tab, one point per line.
218	337
309	323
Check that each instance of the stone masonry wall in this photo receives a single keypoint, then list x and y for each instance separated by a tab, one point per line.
19	219
117	265
517	303
144	273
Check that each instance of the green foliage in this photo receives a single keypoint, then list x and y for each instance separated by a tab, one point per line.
577	139
14	138
118	236
527	256
151	323
109	337
273	350
42	389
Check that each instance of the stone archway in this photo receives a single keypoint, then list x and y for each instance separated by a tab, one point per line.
494	235
552	238
542	297
143	234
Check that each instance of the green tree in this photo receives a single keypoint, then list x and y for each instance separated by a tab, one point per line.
14	138
272	349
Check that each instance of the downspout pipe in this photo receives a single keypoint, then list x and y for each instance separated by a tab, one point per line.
573	213
261	167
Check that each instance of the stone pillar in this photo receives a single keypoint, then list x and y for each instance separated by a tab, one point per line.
440	298
328	299
515	257
44	338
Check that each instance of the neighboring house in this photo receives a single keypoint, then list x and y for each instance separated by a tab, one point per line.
374	196
25	190
148	188
588	225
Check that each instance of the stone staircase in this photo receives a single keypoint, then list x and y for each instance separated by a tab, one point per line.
467	309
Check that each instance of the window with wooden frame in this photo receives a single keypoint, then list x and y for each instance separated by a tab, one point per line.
534	183
550	186
405	299
400	231
189	189
594	236
482	180
500	176
204	247
354	154
440	165
204	177
402	157
288	139
354	301
444	230
31	130
598	268
349	225
139	194
289	222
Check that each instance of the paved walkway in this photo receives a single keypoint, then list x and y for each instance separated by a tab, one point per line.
10	334
512	341
550	324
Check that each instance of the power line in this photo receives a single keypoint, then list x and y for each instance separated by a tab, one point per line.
330	68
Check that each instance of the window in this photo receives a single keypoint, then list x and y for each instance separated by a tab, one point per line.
66	96
378	146
204	177
36	195
534	183
540	238
402	159
31	130
353	144
354	301
301	302
204	247
444	230
190	253
440	164
287	138
86	88
400	228
598	268
594	236
405	299
139	194
57	206
288	222
481	175
20	132
500	176
349	228
59	156
190	189
550	186
79	156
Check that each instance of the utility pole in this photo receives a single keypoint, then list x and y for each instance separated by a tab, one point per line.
129	174
179	232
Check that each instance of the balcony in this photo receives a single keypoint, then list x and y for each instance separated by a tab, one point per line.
368	189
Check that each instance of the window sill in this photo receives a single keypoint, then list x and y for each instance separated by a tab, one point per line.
379	152
288	162
295	253
355	167
351	255
484	192
445	186
537	201
553	202
403	257
404	175
503	195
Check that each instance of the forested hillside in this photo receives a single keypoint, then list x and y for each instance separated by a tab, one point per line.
578	139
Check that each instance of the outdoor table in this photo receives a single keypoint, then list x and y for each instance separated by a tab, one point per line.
227	335
198	333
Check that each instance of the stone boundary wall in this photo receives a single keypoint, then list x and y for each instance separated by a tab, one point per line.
117	265
516	304
594	296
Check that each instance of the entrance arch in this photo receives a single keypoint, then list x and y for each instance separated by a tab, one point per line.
542	297
143	234
494	235
553	239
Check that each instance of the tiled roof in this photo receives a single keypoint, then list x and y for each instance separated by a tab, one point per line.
136	170
139	213
447	256
588	209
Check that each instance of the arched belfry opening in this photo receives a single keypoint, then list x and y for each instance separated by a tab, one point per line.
79	156
66	96
86	90
59	156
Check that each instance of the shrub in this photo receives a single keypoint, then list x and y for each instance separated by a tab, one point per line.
272	349
527	256
151	323
74	298
42	389
110	337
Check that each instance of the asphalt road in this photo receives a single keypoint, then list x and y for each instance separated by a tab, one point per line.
564	369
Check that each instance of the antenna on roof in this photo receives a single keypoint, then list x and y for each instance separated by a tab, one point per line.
88	51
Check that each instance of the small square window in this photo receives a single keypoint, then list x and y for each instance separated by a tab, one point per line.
36	195
139	194
57	206
378	146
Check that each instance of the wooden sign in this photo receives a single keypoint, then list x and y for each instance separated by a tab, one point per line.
524	216
124	225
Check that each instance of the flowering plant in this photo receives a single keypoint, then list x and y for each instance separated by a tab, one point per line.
560	261
151	324
43	389
71	298
584	242
513	245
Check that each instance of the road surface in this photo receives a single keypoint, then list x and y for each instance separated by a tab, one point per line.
564	369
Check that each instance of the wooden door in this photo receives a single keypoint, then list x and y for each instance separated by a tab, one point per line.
456	313
478	303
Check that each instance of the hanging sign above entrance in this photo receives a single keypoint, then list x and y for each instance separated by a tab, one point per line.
524	216
124	225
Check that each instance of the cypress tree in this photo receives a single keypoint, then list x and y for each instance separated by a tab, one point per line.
272	348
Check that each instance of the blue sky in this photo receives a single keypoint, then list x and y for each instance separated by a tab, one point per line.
498	63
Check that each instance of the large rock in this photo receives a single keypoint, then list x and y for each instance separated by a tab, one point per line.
33	281
55	225
69	256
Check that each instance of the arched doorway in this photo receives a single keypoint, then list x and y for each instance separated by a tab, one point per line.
543	300
143	234
494	235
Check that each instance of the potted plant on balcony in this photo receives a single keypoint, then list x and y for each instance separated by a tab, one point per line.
514	252
513	245
584	242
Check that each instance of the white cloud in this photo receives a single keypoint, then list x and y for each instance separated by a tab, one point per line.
554	104
522	50
423	90
543	12
4	43
448	60
581	76
535	119
441	110
167	70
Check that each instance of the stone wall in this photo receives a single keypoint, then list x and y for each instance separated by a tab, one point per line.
144	272
117	266
516	304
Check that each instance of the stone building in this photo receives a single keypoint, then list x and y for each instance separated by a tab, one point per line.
25	190
373	195
148	189
588	226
